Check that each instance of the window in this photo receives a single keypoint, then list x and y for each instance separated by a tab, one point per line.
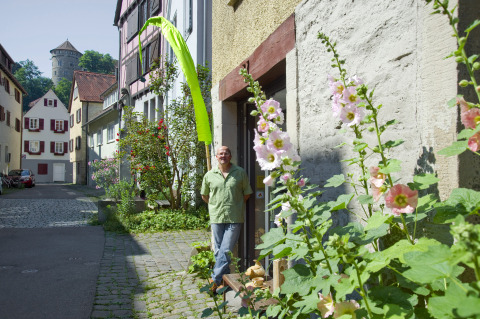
42	169
17	95
111	132
78	141
8	118
70	145
79	115
34	147
59	62
2	113
71	120
99	137
7	85
75	92
59	125
90	141
58	147
188	19
143	13
132	24
17	125
33	123
7	155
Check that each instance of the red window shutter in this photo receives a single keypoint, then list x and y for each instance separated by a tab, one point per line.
55	103
42	146
52	147
52	125
65	147
45	102
26	147
27	123
65	126
40	124
79	116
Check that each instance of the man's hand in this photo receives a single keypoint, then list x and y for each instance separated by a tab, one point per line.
246	197
205	198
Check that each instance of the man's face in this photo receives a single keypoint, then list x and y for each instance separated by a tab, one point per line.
223	156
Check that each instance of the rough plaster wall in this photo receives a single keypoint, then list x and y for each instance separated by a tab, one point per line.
230	43
396	47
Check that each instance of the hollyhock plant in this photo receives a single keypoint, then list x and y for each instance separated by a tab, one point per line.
401	199
267	158
351	115
271	109
376	178
471	118
263	125
474	143
350	96
346	308
279	141
285	177
269	180
326	305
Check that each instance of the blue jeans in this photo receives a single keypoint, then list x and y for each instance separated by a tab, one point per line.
225	236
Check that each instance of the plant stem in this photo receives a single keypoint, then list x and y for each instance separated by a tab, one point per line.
363	292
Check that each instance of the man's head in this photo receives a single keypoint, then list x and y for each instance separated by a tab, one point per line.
223	155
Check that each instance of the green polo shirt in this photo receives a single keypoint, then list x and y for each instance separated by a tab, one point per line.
226	195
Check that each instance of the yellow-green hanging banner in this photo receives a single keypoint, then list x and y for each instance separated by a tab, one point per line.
179	47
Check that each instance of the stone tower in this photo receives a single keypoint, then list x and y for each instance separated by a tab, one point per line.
64	61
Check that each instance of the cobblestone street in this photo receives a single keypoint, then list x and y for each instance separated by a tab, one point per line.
140	276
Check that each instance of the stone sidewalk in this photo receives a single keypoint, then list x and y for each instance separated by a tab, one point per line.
143	276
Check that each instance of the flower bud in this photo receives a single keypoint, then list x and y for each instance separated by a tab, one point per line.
462	41
463	83
371	129
476	65
254	113
459	59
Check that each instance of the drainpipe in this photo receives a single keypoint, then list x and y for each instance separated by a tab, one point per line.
86	146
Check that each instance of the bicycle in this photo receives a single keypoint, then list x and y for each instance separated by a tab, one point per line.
7	182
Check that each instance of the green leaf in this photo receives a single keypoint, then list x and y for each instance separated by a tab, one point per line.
452	102
423	181
459	301
393	165
341	202
207	312
467	133
377	220
340	145
393	295
365	199
472	58
298	279
274	236
390	144
281	251
462	201
456	148
360	147
335	181
472	26
308	303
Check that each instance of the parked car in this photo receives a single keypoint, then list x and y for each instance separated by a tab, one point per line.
22	176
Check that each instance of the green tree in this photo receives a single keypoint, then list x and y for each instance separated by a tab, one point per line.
165	156
30	77
97	62
62	90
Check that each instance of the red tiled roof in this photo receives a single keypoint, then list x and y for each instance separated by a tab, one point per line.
33	102
91	85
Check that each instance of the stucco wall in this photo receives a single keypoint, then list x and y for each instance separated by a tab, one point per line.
396	47
230	43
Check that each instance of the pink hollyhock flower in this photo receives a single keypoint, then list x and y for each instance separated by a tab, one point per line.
301	182
286	207
401	199
376	178
356	80
350	96
351	115
474	143
267	158
337	105
278	220
263	125
279	141
257	140
463	105
326	305
377	192
285	177
269	180
471	118
337	87
271	109
346	308
279	119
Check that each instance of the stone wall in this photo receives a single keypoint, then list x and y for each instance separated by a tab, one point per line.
397	47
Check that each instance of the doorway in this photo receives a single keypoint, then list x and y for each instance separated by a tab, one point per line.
257	220
59	172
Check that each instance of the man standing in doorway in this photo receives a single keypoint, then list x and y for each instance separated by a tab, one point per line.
225	189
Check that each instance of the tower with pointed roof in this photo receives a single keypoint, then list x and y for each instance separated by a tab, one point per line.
64	61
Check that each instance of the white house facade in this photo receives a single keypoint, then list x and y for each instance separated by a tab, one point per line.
45	140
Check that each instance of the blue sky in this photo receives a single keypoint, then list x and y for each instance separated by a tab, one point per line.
31	28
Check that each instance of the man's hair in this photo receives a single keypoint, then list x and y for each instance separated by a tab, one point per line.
225	147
